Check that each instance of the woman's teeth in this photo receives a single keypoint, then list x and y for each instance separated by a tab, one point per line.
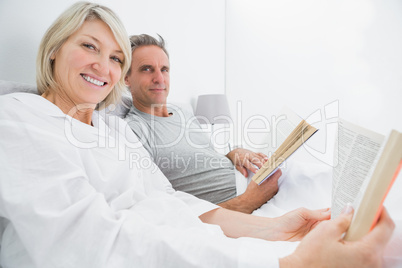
93	81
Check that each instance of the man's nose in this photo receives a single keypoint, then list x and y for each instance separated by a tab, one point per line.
158	78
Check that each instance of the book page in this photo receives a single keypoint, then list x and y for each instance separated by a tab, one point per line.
360	195
286	121
298	136
356	150
368	204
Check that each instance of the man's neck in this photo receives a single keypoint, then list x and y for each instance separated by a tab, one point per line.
156	109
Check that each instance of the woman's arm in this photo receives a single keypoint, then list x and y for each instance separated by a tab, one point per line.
290	227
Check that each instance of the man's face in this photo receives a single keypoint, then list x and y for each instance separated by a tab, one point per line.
149	77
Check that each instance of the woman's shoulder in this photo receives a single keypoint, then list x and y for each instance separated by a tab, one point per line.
14	101
20	105
18	97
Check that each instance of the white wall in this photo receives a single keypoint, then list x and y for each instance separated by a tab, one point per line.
303	54
194	31
307	54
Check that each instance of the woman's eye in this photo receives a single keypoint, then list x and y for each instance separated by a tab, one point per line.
92	47
116	59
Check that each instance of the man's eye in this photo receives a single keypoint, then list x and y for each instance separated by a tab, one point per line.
165	70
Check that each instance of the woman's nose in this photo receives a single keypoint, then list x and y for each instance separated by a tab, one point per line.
102	65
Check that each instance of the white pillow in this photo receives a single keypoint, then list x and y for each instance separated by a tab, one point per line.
7	87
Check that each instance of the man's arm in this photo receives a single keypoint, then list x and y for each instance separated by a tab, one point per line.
244	159
255	195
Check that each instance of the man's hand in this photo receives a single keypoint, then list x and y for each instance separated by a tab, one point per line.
324	245
255	195
244	159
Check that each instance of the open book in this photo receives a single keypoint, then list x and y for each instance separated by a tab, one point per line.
296	138
368	164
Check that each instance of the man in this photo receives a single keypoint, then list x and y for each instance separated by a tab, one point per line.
187	160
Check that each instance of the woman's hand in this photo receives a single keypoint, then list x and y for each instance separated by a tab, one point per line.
324	246
289	227
294	225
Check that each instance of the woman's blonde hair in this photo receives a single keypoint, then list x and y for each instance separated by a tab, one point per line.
66	25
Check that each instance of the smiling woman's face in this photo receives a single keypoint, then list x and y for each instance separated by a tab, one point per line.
88	65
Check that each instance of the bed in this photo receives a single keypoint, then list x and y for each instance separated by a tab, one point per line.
306	182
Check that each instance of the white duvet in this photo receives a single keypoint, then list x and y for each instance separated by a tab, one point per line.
306	182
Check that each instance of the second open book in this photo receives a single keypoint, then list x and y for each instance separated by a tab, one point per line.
366	165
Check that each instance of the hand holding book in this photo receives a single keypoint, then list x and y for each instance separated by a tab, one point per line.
297	137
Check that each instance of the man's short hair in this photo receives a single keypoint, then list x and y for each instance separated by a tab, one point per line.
146	40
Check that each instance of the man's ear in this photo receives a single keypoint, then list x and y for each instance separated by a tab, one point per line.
126	81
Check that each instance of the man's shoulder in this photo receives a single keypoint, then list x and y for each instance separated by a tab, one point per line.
135	115
136	122
138	119
181	109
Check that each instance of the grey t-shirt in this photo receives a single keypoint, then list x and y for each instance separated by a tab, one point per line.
184	154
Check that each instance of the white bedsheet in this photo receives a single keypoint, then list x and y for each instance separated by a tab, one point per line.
306	182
